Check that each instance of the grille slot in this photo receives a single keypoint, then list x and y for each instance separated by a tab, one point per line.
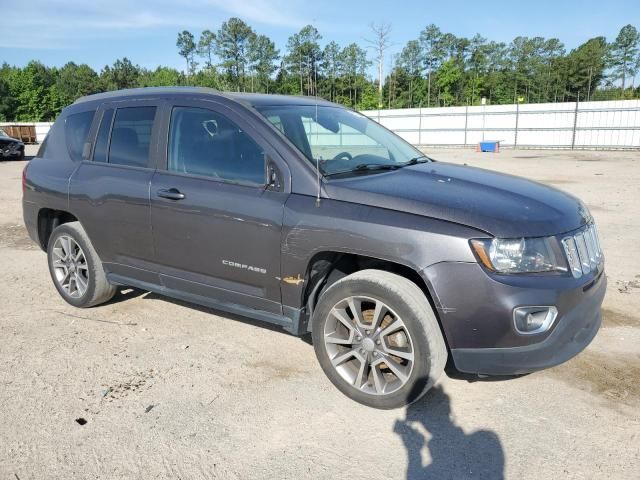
583	251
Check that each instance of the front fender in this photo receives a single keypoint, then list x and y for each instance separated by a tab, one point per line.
335	226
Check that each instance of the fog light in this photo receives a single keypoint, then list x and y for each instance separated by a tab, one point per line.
530	320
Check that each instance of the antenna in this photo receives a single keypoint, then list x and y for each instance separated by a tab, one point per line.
317	158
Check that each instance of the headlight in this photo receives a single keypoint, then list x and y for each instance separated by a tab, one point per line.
520	255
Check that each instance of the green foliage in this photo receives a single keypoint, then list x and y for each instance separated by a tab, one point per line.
160	77
262	56
207	47
624	54
435	69
585	66
122	74
303	57
8	103
331	66
31	89
233	40
187	48
74	81
354	63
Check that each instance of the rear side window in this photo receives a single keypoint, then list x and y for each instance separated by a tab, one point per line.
76	131
131	136
102	142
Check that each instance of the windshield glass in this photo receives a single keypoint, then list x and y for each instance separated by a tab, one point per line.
340	140
2	133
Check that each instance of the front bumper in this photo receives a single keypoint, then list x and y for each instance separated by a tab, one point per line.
573	333
479	324
11	149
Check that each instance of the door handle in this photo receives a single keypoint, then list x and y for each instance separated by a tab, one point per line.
171	194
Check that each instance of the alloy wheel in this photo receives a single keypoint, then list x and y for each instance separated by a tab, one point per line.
369	345
70	266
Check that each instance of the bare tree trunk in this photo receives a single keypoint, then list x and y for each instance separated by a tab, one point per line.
429	88
301	87
380	43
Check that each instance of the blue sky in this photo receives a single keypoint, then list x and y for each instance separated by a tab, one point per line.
97	32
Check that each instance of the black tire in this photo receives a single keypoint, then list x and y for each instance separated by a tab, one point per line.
408	302
99	290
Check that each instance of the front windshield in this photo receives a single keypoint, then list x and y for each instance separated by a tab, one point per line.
339	140
2	133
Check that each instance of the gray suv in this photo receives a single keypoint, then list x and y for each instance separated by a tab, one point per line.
304	214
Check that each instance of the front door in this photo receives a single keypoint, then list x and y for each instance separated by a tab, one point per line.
216	224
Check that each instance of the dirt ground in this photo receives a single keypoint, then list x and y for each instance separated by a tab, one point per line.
169	390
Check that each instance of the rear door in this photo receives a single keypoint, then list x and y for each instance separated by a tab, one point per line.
110	190
216	223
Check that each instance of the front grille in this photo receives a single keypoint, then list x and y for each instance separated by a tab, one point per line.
583	251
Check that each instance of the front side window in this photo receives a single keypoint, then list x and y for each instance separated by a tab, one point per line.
131	136
76	131
340	140
204	142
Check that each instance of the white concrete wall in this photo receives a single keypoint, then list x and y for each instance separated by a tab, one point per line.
610	124
42	128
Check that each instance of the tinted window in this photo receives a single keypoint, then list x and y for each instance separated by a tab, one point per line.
131	136
276	121
102	141
204	142
76	131
337	139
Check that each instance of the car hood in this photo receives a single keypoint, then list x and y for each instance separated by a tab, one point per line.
499	204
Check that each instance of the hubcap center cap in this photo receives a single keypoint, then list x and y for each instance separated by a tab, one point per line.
368	345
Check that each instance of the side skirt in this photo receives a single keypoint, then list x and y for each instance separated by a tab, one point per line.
292	323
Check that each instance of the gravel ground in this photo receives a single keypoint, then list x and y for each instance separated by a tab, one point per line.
169	390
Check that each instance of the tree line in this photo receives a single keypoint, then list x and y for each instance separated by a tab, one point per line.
435	69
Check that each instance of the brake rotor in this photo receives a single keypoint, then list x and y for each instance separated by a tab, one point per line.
398	339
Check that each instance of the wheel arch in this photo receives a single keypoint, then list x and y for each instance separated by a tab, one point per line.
327	267
48	220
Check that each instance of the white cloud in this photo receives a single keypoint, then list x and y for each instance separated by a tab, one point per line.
270	12
62	24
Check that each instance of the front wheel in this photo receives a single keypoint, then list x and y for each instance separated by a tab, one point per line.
76	269
377	339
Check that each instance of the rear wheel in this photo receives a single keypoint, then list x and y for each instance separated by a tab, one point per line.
377	339
75	267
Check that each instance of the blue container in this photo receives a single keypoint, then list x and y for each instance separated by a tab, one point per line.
489	146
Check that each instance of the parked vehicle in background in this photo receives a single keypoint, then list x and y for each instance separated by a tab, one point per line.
313	217
10	148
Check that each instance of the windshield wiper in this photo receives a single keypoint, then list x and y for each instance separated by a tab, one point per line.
365	167
416	160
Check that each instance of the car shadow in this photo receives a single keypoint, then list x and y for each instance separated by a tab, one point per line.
454	453
127	293
455	374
